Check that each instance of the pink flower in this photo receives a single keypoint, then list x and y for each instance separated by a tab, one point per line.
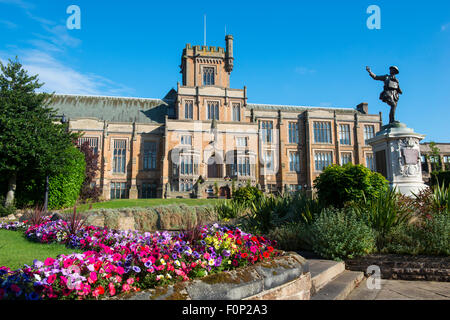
49	261
120	270
206	256
117	257
130	281
51	279
92	277
126	287
112	289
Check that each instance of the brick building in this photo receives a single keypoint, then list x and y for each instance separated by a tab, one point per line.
161	147
431	162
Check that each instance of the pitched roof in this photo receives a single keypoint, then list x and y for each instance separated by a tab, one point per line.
274	107
113	109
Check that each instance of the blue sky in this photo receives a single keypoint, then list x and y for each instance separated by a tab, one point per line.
310	53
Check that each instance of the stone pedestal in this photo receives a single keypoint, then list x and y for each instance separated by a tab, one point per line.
397	157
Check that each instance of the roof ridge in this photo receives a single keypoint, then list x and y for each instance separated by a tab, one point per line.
296	106
100	96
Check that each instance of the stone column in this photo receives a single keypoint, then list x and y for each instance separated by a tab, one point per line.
133	192
397	157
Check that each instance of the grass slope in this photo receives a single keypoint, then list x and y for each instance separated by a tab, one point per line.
16	250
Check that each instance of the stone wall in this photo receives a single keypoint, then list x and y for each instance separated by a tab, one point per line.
401	267
169	217
284	278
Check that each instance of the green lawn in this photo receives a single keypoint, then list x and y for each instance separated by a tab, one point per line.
139	203
16	250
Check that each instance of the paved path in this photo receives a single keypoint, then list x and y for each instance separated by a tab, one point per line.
403	290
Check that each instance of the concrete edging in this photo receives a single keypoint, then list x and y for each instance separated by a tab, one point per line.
284	278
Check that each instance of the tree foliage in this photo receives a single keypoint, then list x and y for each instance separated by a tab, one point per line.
338	185
31	139
88	191
65	187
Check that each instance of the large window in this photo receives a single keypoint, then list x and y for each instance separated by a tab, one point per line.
150	153
186	140
322	132
213	110
186	186
266	131
189	109
119	190
344	134
268	160
322	160
93	143
346	158
148	190
241	141
208	76
369	133
236	112
369	161
293	132
188	165
294	162
446	160
243	166
119	156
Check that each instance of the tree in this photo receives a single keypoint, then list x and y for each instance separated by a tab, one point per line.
340	184
434	157
87	190
30	139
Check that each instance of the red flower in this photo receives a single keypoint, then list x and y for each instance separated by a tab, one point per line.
49	261
51	279
270	249
266	254
238	241
244	255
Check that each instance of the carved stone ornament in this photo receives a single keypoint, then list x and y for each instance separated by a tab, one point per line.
408	157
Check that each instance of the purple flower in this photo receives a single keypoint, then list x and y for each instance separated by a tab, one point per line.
136	269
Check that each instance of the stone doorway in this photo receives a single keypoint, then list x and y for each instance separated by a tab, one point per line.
225	192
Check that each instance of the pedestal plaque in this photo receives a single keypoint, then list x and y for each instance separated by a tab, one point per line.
397	157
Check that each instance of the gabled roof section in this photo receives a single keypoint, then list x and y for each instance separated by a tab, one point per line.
112	109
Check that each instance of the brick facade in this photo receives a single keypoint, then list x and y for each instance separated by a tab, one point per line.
205	128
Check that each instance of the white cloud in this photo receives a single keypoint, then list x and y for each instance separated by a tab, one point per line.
61	79
46	53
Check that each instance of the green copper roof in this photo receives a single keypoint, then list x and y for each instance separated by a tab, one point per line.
112	109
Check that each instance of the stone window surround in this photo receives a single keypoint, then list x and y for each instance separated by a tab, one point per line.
373	159
313	164
330	132
206	103
289	132
201	71
142	153
99	141
289	152
346	153
184	103
349	133
127	150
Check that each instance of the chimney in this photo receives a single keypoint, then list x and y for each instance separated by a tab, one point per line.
229	53
363	108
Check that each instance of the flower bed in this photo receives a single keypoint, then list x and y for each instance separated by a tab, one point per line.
125	261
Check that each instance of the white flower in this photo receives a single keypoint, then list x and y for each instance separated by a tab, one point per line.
37	277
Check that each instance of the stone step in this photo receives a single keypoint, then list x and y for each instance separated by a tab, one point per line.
340	287
323	271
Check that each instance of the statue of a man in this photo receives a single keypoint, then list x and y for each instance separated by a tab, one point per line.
391	90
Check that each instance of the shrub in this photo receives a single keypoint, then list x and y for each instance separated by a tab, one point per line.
340	234
292	236
247	195
229	210
340	184
429	237
65	187
383	213
6	210
438	177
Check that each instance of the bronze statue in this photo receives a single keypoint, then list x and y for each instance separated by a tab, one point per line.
391	90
